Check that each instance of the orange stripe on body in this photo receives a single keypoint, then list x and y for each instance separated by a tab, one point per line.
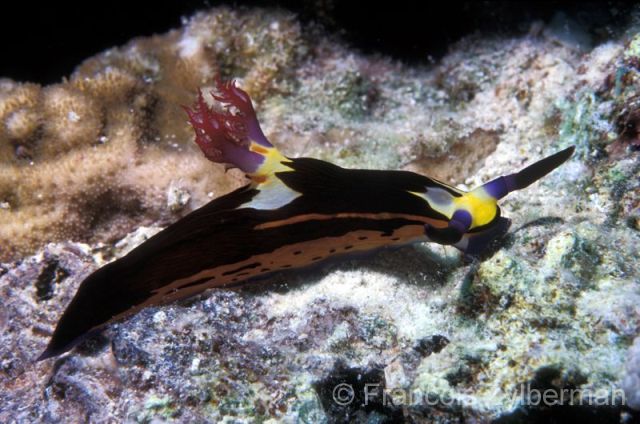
324	217
294	256
289	256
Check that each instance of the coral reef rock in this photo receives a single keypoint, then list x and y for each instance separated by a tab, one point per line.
539	328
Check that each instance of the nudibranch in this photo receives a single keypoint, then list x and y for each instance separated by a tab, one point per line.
293	213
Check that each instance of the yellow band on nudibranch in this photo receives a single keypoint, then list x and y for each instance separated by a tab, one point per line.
273	192
274	161
481	206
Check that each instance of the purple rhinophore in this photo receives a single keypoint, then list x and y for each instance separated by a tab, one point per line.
501	186
460	221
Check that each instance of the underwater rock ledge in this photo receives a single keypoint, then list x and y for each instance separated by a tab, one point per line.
88	165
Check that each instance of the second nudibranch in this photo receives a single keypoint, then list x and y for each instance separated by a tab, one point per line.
293	213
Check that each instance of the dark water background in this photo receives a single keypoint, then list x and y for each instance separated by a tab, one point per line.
42	42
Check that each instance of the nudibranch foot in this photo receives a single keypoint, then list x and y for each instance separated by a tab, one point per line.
476	243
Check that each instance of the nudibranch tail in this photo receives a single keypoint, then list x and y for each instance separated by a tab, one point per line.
233	136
